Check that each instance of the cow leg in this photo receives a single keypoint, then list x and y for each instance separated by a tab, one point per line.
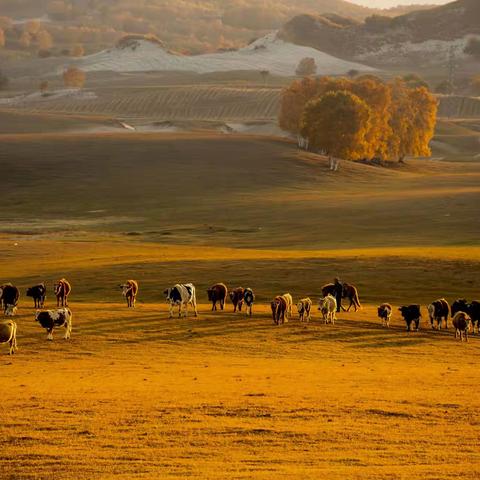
50	334
67	331
194	303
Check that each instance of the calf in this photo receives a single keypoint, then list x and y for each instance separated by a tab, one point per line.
9	299
181	295
249	298
385	314
304	307
411	313
217	293
279	307
8	334
328	306
438	311
461	323
50	319
130	291
39	294
236	296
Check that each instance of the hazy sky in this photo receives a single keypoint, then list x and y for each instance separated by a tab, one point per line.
393	3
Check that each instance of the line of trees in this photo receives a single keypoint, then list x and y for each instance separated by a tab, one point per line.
361	118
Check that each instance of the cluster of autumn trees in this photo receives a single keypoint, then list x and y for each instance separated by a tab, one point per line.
362	118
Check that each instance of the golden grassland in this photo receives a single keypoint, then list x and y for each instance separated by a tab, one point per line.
137	395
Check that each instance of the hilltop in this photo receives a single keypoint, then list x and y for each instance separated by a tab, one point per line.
421	36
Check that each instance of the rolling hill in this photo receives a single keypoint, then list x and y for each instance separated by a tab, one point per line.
422	36
268	53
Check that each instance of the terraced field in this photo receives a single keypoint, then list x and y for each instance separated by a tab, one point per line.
163	103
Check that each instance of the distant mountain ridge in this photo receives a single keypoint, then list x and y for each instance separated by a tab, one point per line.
393	40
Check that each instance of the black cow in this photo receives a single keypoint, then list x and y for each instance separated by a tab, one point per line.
411	313
39	294
9	299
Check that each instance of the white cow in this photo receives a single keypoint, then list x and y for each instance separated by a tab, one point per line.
181	295
289	301
328	307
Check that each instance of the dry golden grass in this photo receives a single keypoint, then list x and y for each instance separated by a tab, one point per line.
136	395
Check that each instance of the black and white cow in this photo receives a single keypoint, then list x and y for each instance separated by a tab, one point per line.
249	299
304	308
385	314
39	294
438	311
9	299
8	334
181	295
50	319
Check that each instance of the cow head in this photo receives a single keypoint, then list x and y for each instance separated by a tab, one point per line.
124	288
10	310
57	288
210	294
30	292
167	293
321	302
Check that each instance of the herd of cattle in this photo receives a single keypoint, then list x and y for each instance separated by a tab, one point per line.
464	315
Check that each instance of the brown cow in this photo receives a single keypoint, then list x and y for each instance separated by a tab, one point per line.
130	291
236	296
279	307
351	292
62	290
461	323
217	293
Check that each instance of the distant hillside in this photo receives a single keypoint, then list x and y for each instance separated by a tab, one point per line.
189	26
426	35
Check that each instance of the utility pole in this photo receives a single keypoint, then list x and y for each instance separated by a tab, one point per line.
451	69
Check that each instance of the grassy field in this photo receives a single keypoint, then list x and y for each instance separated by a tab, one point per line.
137	395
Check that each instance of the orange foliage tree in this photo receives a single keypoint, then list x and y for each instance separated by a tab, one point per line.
401	119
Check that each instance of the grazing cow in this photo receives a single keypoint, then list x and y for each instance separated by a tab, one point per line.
304	307
289	300
249	298
8	334
335	290
50	319
351	292
130	291
9	299
217	293
39	294
279	307
411	313
461	323
328	306
438	311
62	290
236	296
181	295
385	314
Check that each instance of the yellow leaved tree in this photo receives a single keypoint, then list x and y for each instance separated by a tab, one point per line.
337	123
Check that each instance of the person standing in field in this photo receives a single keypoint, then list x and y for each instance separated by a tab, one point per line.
338	291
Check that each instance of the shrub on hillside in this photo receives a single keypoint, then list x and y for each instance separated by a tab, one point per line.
306	67
74	77
473	47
